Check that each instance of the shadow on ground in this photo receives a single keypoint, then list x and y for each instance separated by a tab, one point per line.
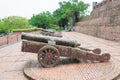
63	61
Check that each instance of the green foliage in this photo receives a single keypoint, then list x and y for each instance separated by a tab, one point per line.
55	27
4	28
43	20
16	22
68	10
26	29
13	22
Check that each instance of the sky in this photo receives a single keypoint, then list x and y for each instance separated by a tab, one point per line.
26	8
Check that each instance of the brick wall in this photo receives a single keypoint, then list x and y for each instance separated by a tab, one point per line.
103	22
16	36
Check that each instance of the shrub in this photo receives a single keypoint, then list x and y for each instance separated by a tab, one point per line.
27	29
16	22
4	28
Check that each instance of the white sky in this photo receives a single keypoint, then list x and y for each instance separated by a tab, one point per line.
26	8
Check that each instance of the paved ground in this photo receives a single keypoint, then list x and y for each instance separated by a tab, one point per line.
12	60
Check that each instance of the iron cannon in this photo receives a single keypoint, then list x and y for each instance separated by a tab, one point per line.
49	49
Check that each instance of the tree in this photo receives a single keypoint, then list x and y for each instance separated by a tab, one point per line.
4	28
13	22
63	13
79	9
16	22
43	20
68	13
68	10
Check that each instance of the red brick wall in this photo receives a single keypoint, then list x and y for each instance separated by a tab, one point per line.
111	32
13	37
107	9
103	22
3	40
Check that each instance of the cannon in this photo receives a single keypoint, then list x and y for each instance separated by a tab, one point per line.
50	32
46	39
50	49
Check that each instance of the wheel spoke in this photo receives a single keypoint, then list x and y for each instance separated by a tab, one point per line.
44	61
41	56
45	50
54	58
52	52
42	53
54	55
48	62
48	56
49	50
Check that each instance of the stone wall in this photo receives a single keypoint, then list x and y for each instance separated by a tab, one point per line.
104	21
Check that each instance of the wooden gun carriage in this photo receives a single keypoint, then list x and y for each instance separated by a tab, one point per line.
50	49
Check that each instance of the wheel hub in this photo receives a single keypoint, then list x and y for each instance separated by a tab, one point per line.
48	56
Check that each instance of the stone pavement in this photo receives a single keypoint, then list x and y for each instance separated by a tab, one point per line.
12	60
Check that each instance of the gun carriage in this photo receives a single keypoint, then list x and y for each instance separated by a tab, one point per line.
49	49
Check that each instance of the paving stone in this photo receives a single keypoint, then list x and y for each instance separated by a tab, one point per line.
4	66
81	71
17	66
28	56
13	75
9	59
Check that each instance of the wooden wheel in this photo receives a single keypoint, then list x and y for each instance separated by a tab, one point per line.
48	56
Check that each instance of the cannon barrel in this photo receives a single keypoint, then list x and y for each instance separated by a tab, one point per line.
45	39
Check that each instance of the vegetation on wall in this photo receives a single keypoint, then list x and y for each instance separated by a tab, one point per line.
27	29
